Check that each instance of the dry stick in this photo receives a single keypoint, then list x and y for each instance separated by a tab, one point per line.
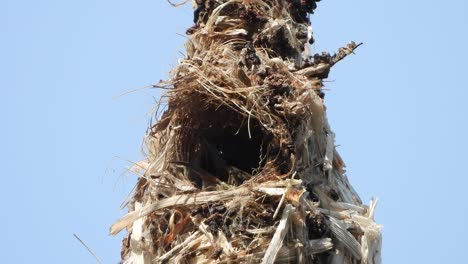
283	197
277	240
314	70
372	207
186	199
89	250
175	250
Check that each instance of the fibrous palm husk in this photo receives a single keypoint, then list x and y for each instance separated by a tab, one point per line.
242	166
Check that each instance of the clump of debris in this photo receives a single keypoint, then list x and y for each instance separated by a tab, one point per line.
241	165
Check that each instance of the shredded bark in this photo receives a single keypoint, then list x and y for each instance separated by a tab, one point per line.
242	160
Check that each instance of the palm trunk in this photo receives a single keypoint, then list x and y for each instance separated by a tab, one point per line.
242	166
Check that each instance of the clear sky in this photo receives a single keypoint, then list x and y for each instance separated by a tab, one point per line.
398	107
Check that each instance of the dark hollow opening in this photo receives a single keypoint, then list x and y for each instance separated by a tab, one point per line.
236	147
226	149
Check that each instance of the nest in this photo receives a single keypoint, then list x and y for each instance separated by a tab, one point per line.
241	164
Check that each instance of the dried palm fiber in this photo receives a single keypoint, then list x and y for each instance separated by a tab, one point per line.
241	166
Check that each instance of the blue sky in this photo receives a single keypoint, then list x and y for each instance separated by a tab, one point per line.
398	107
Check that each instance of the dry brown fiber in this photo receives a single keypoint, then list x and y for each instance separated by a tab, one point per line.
241	166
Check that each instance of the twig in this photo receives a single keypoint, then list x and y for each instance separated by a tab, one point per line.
324	67
131	91
187	243
344	51
277	240
177	5
89	250
285	193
